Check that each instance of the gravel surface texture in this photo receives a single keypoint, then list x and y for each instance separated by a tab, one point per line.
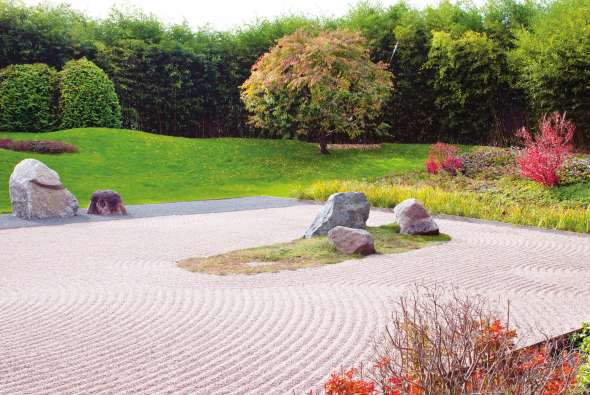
8	221
101	307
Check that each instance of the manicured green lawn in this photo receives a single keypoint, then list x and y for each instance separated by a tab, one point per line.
148	168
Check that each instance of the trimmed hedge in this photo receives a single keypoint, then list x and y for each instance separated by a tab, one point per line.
87	97
28	97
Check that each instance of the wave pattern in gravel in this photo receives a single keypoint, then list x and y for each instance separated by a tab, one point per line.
101	307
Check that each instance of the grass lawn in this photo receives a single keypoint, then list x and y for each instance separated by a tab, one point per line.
303	253
149	168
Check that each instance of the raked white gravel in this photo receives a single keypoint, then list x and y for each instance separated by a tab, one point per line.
101	307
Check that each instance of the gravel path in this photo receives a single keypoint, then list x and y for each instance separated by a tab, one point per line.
8	221
100	307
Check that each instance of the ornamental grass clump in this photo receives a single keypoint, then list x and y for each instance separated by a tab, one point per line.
441	342
545	152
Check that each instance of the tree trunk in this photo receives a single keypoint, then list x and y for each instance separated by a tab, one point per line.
323	146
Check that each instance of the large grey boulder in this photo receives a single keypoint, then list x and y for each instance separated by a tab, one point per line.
413	218
106	203
36	192
349	209
352	241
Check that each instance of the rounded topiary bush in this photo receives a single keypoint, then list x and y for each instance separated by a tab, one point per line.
28	97
87	97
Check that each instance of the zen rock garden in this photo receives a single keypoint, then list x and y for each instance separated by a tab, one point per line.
345	214
36	192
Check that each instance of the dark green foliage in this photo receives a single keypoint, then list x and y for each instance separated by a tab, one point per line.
410	115
87	97
160	91
27	97
467	82
172	80
175	80
503	17
43	34
553	62
413	113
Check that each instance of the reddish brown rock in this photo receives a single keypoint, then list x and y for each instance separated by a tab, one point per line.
352	241
413	219
106	203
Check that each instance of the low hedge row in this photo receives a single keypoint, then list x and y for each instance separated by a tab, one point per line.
40	146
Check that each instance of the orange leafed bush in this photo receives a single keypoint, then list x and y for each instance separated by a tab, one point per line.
348	383
451	344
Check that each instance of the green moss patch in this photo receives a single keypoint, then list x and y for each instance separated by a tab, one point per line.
303	253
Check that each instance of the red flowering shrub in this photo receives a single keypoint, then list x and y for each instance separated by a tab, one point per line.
431	166
443	157
451	344
545	153
40	146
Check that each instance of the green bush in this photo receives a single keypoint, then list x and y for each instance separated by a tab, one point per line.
552	60
468	83
27	97
582	341
87	97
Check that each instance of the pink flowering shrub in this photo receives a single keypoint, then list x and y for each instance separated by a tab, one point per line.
545	152
443	157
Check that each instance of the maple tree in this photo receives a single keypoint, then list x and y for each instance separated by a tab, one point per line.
317	85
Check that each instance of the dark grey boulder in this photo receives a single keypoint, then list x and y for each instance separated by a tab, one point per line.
413	218
352	241
349	209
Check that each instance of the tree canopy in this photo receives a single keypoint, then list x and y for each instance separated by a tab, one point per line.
174	79
317	83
